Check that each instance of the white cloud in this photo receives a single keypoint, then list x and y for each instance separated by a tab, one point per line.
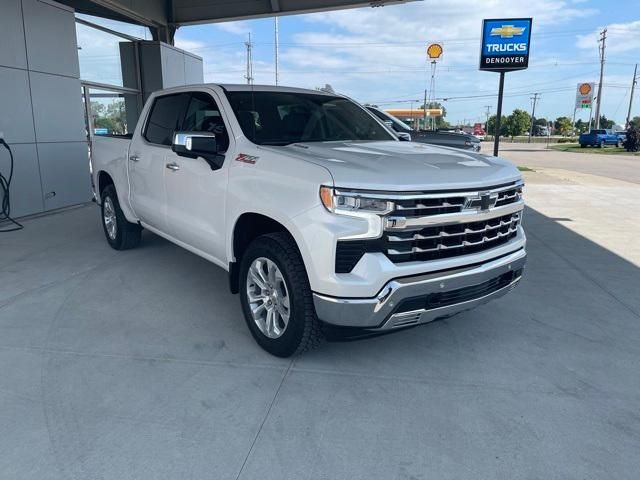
621	38
241	27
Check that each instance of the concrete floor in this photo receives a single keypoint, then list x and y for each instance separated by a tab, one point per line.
138	365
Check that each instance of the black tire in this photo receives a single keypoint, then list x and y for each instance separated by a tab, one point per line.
582	145
304	330
127	234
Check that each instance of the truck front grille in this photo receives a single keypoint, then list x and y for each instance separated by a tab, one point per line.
426	226
446	241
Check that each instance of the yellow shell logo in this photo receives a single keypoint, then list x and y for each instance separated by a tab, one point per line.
434	51
584	89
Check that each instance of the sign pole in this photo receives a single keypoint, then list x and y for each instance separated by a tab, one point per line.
496	141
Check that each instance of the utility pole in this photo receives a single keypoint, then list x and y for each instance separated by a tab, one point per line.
601	46
633	87
277	42
487	114
424	119
534	99
249	75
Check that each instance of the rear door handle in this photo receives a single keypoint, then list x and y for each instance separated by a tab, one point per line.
173	166
134	158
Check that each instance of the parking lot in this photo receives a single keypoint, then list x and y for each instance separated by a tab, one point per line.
138	364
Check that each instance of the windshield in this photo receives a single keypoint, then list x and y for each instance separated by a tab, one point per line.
281	118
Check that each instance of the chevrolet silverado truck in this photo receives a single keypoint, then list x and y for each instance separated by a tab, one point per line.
599	138
316	210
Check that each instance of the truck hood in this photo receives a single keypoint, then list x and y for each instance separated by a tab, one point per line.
403	166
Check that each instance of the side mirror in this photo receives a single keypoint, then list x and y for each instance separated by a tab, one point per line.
198	144
404	136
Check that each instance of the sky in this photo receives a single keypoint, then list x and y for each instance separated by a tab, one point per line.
378	55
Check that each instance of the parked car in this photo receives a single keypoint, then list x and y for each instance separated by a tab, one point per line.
314	208
461	140
599	138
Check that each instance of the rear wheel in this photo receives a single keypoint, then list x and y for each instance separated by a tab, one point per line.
601	145
121	234
276	297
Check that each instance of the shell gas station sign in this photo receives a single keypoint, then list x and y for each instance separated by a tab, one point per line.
584	95
435	51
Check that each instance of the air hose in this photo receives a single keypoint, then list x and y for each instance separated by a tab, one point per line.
5	185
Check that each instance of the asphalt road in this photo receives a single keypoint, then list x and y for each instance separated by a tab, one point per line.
619	167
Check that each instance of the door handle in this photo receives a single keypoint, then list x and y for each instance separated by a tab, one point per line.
134	158
173	166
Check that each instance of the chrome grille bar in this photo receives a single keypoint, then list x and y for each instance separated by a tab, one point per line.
417	236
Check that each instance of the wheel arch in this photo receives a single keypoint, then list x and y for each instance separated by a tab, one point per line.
247	227
104	180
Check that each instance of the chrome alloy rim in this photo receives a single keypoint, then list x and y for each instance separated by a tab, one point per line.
268	297
109	216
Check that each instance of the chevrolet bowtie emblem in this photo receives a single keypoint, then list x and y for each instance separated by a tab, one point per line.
507	31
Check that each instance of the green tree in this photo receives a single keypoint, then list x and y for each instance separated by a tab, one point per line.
564	125
111	116
606	123
541	122
518	123
581	126
491	125
635	120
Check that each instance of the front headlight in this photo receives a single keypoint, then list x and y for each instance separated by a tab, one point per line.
353	203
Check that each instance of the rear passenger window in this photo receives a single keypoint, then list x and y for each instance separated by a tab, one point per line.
166	113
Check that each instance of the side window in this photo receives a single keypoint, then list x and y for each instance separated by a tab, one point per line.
164	118
203	115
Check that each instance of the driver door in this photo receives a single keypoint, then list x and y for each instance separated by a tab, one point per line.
195	193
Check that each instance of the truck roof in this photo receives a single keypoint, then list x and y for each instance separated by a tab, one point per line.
240	87
243	87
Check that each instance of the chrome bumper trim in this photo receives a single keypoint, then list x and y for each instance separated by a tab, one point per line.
377	313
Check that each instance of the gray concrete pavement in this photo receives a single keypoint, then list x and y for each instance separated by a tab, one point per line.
619	167
138	365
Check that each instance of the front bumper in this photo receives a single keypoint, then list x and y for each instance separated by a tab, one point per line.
423	298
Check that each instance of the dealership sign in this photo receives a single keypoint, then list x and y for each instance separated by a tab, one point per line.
505	44
584	95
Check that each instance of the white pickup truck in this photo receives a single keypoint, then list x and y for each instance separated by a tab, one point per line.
315	208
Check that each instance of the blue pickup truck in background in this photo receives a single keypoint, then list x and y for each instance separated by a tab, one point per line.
600	138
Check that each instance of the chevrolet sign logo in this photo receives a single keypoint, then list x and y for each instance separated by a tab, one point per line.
507	31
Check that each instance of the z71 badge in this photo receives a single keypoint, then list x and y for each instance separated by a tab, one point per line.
244	158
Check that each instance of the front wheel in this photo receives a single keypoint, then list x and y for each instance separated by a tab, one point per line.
601	145
276	297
